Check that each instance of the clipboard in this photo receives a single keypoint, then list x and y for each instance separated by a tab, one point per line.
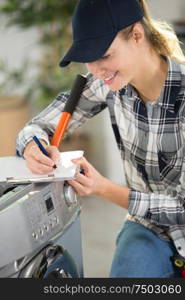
13	169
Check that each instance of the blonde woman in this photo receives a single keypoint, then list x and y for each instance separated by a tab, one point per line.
136	70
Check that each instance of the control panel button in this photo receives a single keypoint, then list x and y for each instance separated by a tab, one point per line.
34	235
41	232
46	227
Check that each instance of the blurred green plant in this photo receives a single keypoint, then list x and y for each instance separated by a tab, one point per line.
52	18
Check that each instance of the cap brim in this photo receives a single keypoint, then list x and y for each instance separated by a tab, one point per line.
88	50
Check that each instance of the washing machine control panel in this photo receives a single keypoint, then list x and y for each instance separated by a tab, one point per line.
36	214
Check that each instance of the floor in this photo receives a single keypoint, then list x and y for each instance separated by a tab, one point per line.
100	223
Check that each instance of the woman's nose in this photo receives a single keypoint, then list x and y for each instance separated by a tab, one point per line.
91	67
94	68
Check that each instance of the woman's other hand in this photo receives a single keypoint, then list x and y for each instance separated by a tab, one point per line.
88	182
93	183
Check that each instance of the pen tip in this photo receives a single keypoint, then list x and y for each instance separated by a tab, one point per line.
54	166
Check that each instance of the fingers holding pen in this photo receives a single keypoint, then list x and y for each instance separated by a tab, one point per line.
38	162
54	154
38	167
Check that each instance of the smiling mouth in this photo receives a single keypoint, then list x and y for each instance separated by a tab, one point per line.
109	80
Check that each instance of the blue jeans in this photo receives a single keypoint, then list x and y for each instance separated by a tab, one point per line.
141	253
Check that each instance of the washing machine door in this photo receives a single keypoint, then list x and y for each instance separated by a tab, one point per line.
52	262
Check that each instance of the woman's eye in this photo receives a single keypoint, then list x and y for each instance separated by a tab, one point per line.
105	57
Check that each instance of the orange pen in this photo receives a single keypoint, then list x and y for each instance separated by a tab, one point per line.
69	107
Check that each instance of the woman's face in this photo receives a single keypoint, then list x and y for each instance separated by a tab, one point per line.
117	67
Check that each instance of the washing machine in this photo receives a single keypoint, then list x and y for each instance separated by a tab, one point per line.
40	231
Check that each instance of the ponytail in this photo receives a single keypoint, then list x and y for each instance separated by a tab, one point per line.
161	36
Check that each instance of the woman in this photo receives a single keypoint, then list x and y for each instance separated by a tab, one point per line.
136	69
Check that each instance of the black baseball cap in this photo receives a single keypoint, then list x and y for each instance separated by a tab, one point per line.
95	24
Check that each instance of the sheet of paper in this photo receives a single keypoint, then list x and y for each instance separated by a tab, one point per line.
14	169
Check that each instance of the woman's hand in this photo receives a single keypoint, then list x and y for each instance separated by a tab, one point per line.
39	163
93	183
89	183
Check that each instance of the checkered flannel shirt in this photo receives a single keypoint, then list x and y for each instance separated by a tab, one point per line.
151	140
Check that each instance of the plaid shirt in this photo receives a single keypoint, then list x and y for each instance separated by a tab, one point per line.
151	139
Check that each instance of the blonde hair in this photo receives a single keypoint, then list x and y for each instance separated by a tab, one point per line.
161	35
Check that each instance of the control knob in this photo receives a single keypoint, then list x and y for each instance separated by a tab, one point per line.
69	195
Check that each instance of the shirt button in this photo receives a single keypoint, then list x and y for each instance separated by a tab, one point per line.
148	215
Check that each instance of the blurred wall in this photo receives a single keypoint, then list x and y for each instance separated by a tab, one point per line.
169	10
14	112
17	45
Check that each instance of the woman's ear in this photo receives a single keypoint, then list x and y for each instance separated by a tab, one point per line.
138	33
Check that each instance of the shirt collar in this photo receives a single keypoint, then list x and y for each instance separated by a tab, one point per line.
170	89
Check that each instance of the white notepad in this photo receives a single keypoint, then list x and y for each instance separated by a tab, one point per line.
14	169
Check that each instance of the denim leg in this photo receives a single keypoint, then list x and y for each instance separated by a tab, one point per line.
141	253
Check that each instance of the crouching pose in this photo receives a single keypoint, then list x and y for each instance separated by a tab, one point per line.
135	70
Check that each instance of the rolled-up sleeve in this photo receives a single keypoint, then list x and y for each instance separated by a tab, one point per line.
166	210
